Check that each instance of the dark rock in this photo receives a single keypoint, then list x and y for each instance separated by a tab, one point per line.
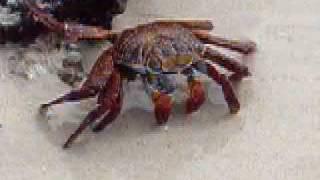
72	71
91	12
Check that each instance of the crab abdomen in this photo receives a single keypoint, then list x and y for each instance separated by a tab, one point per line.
157	46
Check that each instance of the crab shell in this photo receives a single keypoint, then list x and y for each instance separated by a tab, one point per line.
157	46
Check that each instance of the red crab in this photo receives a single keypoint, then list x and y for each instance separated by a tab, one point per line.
151	52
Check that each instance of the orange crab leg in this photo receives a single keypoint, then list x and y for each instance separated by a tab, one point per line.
113	95
75	32
239	71
190	24
72	32
245	47
221	79
109	101
110	117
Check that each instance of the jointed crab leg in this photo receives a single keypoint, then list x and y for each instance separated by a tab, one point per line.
75	95
115	96
103	80
99	75
77	32
73	32
110	117
229	63
190	24
108	102
221	79
91	117
244	47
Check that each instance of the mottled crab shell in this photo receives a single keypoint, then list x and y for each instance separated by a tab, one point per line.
158	46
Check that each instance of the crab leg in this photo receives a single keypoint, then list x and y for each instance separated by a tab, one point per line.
72	32
239	70
91	117
92	85
245	47
75	95
75	32
195	90
112	114
108	119
221	79
190	24
108	101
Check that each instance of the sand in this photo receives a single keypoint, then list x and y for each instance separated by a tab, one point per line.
275	135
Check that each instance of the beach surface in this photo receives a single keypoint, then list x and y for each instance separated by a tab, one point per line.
276	134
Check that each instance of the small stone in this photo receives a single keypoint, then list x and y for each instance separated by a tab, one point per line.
43	168
166	128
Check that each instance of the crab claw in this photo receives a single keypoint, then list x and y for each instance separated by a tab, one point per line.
163	107
197	96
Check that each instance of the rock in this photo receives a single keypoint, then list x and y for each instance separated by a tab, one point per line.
34	61
72	71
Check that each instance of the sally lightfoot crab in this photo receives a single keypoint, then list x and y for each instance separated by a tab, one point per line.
152	53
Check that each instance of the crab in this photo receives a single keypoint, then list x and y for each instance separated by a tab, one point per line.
151	53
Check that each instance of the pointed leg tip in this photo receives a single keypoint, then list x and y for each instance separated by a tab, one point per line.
43	109
249	47
235	77
66	146
234	109
210	25
96	129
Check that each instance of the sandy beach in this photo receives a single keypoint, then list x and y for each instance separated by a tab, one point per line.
276	134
